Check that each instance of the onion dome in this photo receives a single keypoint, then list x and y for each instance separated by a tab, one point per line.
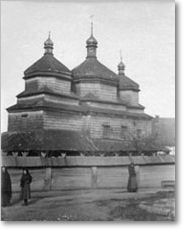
91	45
47	65
91	69
91	41
125	83
121	68
48	45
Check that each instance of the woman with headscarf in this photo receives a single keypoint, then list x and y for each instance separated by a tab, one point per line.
132	182
6	187
25	182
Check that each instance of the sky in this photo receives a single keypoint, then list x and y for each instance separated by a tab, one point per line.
144	30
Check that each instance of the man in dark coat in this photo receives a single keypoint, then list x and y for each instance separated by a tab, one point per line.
6	187
132	182
25	182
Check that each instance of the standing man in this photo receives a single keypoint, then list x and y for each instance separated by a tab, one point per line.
25	182
6	187
132	182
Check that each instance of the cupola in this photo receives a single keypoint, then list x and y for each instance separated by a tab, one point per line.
91	45
121	66
47	65
48	45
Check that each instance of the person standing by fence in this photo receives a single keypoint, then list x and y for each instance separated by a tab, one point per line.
132	182
6	187
25	182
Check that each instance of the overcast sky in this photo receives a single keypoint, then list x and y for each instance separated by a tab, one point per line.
142	29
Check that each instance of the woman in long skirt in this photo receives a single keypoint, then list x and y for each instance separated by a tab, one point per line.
25	182
132	182
6	187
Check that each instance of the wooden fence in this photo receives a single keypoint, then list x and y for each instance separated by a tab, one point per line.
86	161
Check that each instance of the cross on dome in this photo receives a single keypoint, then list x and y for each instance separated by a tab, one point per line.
91	43
121	65
48	45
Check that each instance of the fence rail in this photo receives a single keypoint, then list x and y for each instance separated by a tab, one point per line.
76	161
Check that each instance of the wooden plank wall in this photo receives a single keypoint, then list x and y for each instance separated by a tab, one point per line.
97	122
62	121
25	120
107	106
104	92
65	100
55	84
107	177
130	96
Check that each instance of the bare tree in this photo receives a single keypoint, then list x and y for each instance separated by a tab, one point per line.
143	143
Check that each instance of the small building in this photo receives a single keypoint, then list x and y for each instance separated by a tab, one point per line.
89	110
164	130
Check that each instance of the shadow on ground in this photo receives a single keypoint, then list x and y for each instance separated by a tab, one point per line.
105	205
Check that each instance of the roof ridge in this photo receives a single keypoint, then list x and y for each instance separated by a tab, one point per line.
94	67
131	80
47	63
108	69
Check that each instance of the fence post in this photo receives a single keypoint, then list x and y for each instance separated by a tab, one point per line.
48	178
94	177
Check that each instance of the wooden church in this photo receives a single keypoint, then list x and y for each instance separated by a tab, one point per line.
89	110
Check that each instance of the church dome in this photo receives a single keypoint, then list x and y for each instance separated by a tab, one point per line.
92	68
125	83
48	42
121	65
47	64
91	41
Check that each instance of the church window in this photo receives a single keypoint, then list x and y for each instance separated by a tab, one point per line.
124	130
24	115
139	133
106	131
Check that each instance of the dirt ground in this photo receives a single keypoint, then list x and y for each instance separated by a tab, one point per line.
93	205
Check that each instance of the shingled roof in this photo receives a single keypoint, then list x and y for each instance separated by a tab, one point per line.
47	105
45	90
44	140
46	64
125	83
121	145
91	68
53	140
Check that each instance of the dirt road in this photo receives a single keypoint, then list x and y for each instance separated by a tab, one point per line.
93	205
